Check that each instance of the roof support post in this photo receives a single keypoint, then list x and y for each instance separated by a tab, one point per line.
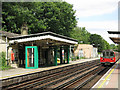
55	55
67	54
6	48
61	55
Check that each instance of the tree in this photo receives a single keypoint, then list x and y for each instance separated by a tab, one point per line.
97	41
81	34
106	45
57	17
113	47
118	47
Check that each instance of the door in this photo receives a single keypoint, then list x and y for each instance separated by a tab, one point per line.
31	57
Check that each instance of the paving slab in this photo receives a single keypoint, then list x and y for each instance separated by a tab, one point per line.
110	79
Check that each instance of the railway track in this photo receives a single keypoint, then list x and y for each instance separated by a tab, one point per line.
70	78
77	81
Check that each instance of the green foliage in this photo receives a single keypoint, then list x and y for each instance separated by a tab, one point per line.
3	63
81	34
2	59
106	45
114	47
97	41
77	57
118	48
57	17
73	58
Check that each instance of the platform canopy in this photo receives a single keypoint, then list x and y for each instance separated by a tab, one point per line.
114	32
115	39
45	37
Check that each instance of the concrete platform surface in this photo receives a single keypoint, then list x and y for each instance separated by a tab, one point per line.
21	71
110	80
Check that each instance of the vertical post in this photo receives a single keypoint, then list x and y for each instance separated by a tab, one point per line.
55	56
60	55
70	53
67	54
64	55
32	55
36	53
6	48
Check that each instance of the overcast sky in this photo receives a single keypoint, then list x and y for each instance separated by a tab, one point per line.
98	16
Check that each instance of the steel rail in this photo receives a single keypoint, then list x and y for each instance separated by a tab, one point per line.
75	79
66	77
88	80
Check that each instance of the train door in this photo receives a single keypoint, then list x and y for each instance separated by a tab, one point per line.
31	54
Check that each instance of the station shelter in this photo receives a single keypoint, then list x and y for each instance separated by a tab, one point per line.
41	49
115	37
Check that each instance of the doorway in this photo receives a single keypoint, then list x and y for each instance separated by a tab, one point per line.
31	57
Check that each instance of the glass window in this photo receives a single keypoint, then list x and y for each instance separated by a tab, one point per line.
111	53
30	57
107	54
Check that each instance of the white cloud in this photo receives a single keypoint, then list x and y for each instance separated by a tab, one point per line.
86	8
100	27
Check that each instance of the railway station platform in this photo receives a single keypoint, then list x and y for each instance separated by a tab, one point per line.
22	71
110	80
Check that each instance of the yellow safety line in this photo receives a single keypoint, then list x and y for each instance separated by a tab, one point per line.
107	76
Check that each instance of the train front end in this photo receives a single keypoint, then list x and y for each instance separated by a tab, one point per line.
108	57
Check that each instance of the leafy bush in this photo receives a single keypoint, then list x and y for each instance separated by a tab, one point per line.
73	58
82	58
77	57
3	63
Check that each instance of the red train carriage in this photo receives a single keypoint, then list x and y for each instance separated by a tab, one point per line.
109	57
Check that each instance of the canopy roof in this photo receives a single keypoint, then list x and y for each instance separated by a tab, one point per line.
115	39
49	37
114	32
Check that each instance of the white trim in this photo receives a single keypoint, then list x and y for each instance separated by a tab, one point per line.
43	37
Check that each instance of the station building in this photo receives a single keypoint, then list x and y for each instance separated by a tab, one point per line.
86	51
36	50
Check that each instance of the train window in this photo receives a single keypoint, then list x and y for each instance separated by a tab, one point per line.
111	53
103	54
107	54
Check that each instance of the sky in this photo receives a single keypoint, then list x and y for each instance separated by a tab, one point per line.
97	16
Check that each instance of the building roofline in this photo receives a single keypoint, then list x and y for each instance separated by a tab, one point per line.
42	34
8	34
